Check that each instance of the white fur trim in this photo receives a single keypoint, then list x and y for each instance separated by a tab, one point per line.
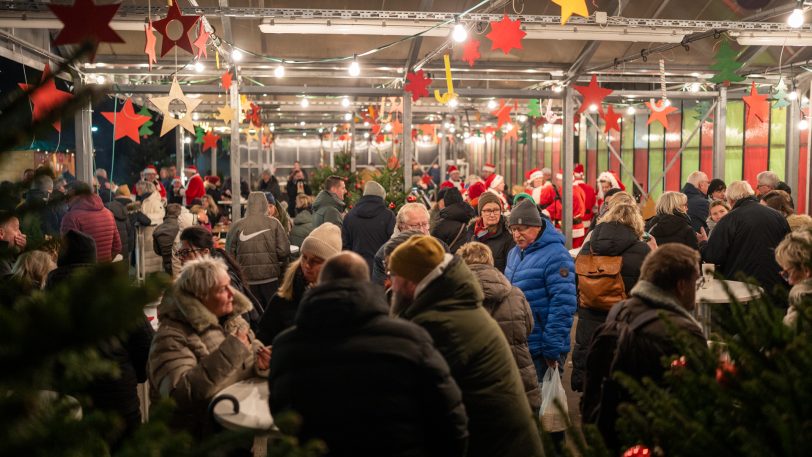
578	232
536	175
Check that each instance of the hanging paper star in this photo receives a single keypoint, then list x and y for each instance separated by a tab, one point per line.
187	22
162	103
397	127
489	129
149	48
376	129
593	94
146	129
570	7
251	135
470	51
611	119
533	108
512	132
380	138
506	34
126	122
659	112
199	132
417	85
225	80
210	140
225	113
253	115
428	129
757	105
46	98
502	113
200	42
86	22
781	97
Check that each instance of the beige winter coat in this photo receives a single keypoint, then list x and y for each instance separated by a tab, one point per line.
193	356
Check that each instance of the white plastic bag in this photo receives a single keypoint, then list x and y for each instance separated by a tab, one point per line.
553	418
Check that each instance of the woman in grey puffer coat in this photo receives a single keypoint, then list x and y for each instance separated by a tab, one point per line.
508	306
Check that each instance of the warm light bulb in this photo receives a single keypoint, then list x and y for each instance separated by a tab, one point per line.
305	103
793	95
366	134
302	123
348	117
453	102
803	124
695	87
304	133
236	55
593	108
631	111
199	67
187	140
345	102
100	79
492	104
796	19
388	127
459	34
354	69
557	89
279	71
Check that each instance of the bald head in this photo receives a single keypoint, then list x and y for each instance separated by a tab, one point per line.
345	265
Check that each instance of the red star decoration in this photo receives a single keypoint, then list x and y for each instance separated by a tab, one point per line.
593	94
428	129
757	105
512	133
489	129
380	138
86	22
506	34
417	85
149	48
502	113
187	22
226	80
46	98
253	116
659	113
126	122
200	42
611	118
397	127
376	129
210	140
470	52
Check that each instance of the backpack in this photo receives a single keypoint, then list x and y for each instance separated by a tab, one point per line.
602	355
600	284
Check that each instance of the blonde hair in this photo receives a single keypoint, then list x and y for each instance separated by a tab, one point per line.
476	253
199	277
620	198
799	222
716	203
739	190
212	204
303	201
795	250
627	215
286	288
671	202
33	267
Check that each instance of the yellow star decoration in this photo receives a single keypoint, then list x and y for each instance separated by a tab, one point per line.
225	114
570	7
251	134
169	122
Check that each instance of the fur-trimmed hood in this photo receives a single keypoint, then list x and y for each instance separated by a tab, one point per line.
183	306
654	295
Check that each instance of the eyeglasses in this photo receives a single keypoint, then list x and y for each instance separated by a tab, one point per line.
491	211
422	225
184	253
785	275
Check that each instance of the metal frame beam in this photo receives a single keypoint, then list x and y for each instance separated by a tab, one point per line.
720	134
793	154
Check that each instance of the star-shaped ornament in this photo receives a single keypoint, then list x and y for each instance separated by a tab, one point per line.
506	35
46	98
149	48
225	113
251	135
253	115
570	7
470	51
84	21
200	42
780	95
162	103
397	127
210	140
611	119
126	122
225	80
593	94
146	129
533	108
187	22
659	112
512	133
417	84
502	113
757	105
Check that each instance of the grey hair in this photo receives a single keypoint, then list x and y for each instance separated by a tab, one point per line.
767	178
409	208
199	277
671	202
739	190
696	177
101	172
43	183
148	187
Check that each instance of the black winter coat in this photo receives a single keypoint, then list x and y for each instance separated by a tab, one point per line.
271	186
163	240
367	227
46	210
452	225
672	228
744	241
698	207
281	312
608	239
126	223
500	242
346	362
291	189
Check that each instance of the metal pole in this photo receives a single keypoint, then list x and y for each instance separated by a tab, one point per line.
214	161
236	207
793	154
84	139
408	146
353	165
808	157
179	152
720	134
569	155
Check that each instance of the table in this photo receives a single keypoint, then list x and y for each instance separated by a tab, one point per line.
254	413
714	292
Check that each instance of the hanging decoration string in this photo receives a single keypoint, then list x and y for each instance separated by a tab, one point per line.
662	81
115	119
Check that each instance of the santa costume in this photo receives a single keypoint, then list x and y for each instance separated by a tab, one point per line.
490	169
150	169
450	182
550	201
614	182
531	176
589	194
493	182
195	189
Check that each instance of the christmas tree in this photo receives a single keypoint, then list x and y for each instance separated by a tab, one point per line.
726	65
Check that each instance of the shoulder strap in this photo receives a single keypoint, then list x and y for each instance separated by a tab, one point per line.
463	226
643	319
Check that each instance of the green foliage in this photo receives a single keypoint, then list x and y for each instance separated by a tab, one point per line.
390	177
343	169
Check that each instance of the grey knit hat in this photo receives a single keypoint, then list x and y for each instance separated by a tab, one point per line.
525	213
488	197
373	188
324	241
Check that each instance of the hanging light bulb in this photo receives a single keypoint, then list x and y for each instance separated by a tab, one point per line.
631	111
453	102
236	55
803	124
199	67
302	123
187	140
593	108
492	104
348	117
366	134
100	79
793	95
459	34
354	69
796	19
345	102
695	87
279	71
557	89
388	127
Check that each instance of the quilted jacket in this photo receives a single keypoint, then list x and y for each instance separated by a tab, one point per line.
259	242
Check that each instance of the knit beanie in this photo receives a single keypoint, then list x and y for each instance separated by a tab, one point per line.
323	242
488	197
452	195
522	196
416	258
525	213
373	188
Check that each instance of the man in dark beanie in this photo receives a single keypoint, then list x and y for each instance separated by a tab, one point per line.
453	220
438	292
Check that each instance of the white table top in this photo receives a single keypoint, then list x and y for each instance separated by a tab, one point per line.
714	292
255	414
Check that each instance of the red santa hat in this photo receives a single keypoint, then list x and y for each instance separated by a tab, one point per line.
612	179
446	185
559	174
213	180
476	189
534	174
579	170
489	167
452	169
495	181
190	169
150	169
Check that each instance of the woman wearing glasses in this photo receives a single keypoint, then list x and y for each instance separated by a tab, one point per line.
490	229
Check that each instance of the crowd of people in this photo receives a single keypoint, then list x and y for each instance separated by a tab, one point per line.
426	331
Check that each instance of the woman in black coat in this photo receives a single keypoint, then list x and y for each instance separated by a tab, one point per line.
490	228
617	234
453	220
672	224
281	312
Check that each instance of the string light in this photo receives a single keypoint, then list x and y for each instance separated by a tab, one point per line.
348	117
793	95
557	89
305	102
236	55
355	68
345	102
453	103
803	124
199	67
492	104
631	111
459	34
796	19
279	71
593	108
100	79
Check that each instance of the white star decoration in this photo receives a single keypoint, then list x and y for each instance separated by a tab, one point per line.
169	122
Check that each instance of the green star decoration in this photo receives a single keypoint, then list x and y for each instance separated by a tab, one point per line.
145	129
726	65
533	108
199	132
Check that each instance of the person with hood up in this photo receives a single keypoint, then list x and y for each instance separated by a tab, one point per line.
87	214
260	245
672	224
151	204
77	251
41	211
453	221
329	204
507	305
491	229
369	224
126	220
165	235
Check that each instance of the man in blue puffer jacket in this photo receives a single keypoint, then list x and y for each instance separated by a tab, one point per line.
543	269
